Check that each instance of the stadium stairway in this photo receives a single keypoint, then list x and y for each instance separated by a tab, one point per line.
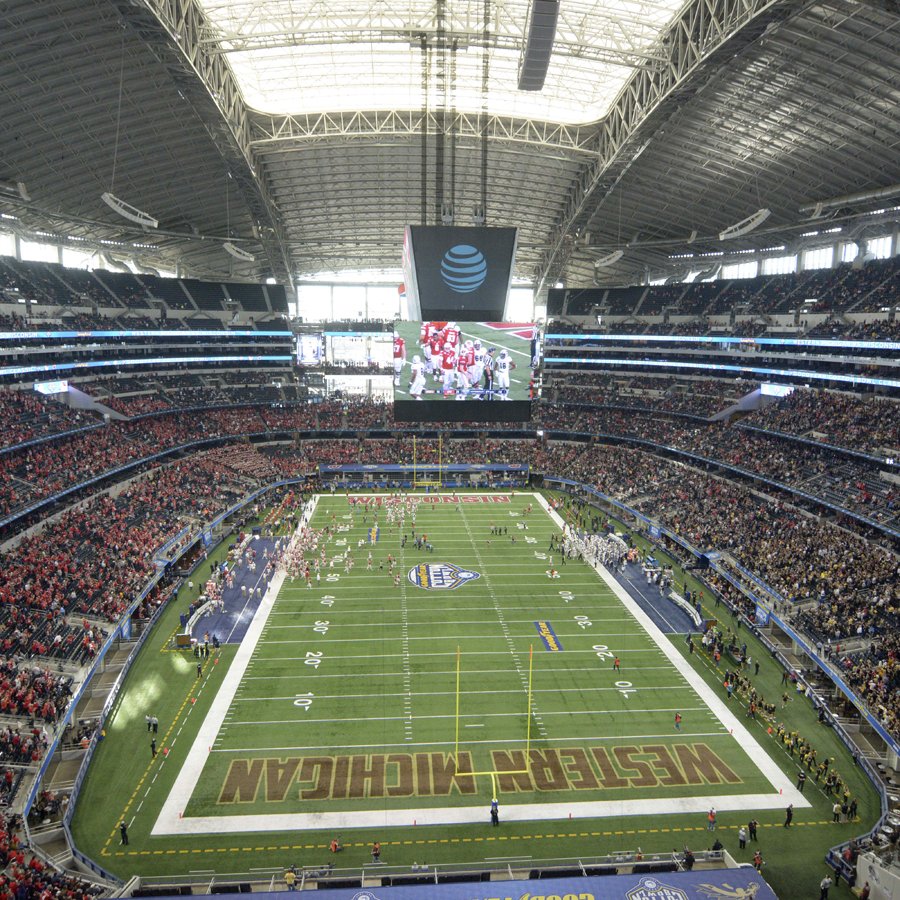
80	400
749	403
91	705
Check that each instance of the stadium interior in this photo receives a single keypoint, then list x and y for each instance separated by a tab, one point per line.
202	213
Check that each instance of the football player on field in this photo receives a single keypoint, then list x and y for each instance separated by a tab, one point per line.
399	357
448	368
417	378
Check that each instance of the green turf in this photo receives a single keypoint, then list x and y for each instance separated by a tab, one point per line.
359	708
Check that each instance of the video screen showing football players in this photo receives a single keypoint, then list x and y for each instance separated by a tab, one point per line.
464	371
359	350
310	349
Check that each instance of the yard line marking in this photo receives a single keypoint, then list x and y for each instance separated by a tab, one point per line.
435	672
466	637
381	747
548	657
500	715
430	619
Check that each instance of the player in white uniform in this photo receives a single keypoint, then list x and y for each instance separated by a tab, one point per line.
448	368
417	378
474	372
477	367
501	374
399	357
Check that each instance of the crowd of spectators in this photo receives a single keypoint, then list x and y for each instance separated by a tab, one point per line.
24	876
34	692
874	673
845	420
845	288
873	330
18	748
92	560
852	484
835	327
27	415
699	397
575	401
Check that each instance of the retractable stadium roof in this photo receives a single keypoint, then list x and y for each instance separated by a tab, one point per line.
308	134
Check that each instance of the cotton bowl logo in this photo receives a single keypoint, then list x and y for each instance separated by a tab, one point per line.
440	576
653	889
463	268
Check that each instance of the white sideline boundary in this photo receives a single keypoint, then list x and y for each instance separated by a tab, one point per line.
171	820
781	784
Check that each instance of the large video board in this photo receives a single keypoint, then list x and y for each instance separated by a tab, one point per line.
448	371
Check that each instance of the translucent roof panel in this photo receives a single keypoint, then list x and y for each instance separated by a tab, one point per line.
343	55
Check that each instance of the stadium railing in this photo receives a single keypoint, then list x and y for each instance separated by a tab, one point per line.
328	875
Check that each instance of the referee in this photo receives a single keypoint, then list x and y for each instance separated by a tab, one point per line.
488	393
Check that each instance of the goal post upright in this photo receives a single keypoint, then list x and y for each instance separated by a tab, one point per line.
528	708
456	744
494	774
427	481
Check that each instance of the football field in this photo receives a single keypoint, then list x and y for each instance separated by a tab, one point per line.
488	670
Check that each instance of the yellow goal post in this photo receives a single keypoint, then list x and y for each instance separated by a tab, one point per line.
493	774
425	479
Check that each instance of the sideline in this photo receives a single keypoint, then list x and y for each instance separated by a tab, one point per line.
783	786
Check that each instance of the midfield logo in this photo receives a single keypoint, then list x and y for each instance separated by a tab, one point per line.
440	576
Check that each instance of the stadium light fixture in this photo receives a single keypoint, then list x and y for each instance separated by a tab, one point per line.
609	259
15	188
745	226
238	252
127	211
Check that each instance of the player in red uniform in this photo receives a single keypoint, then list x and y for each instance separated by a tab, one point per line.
448	368
451	335
437	347
430	332
399	357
